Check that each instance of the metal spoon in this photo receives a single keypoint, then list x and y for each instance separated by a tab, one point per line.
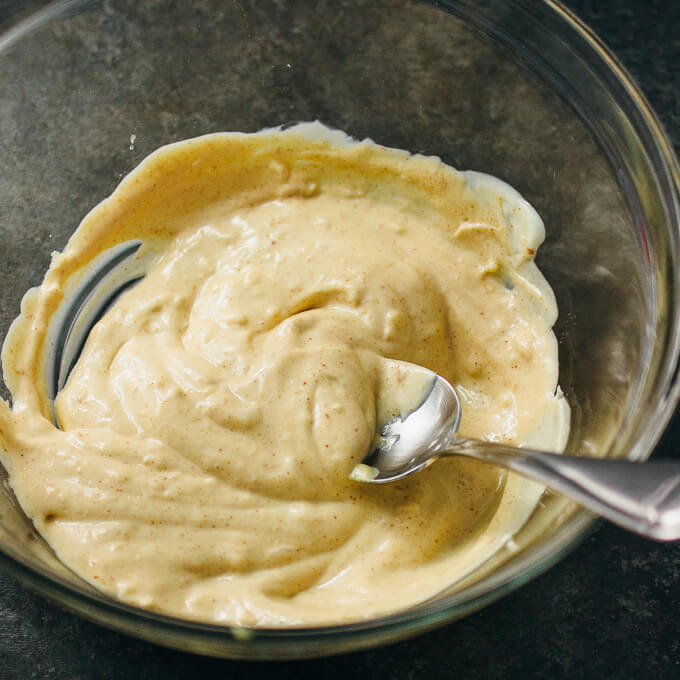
641	497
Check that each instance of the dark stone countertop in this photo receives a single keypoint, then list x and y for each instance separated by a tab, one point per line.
611	609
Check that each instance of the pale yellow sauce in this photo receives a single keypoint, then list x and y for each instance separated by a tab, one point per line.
210	426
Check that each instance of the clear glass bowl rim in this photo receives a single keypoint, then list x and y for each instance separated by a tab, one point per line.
307	642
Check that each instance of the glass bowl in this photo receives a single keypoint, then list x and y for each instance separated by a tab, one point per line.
521	90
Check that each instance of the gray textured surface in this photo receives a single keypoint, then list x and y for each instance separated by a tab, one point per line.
609	610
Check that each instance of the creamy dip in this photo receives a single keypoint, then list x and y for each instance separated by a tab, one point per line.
207	433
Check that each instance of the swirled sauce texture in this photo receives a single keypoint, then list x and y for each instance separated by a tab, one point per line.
208	430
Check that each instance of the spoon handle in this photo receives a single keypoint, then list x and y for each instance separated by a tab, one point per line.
642	497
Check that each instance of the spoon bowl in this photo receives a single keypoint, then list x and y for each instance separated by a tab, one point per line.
412	443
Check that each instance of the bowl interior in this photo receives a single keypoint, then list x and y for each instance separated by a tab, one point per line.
90	89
